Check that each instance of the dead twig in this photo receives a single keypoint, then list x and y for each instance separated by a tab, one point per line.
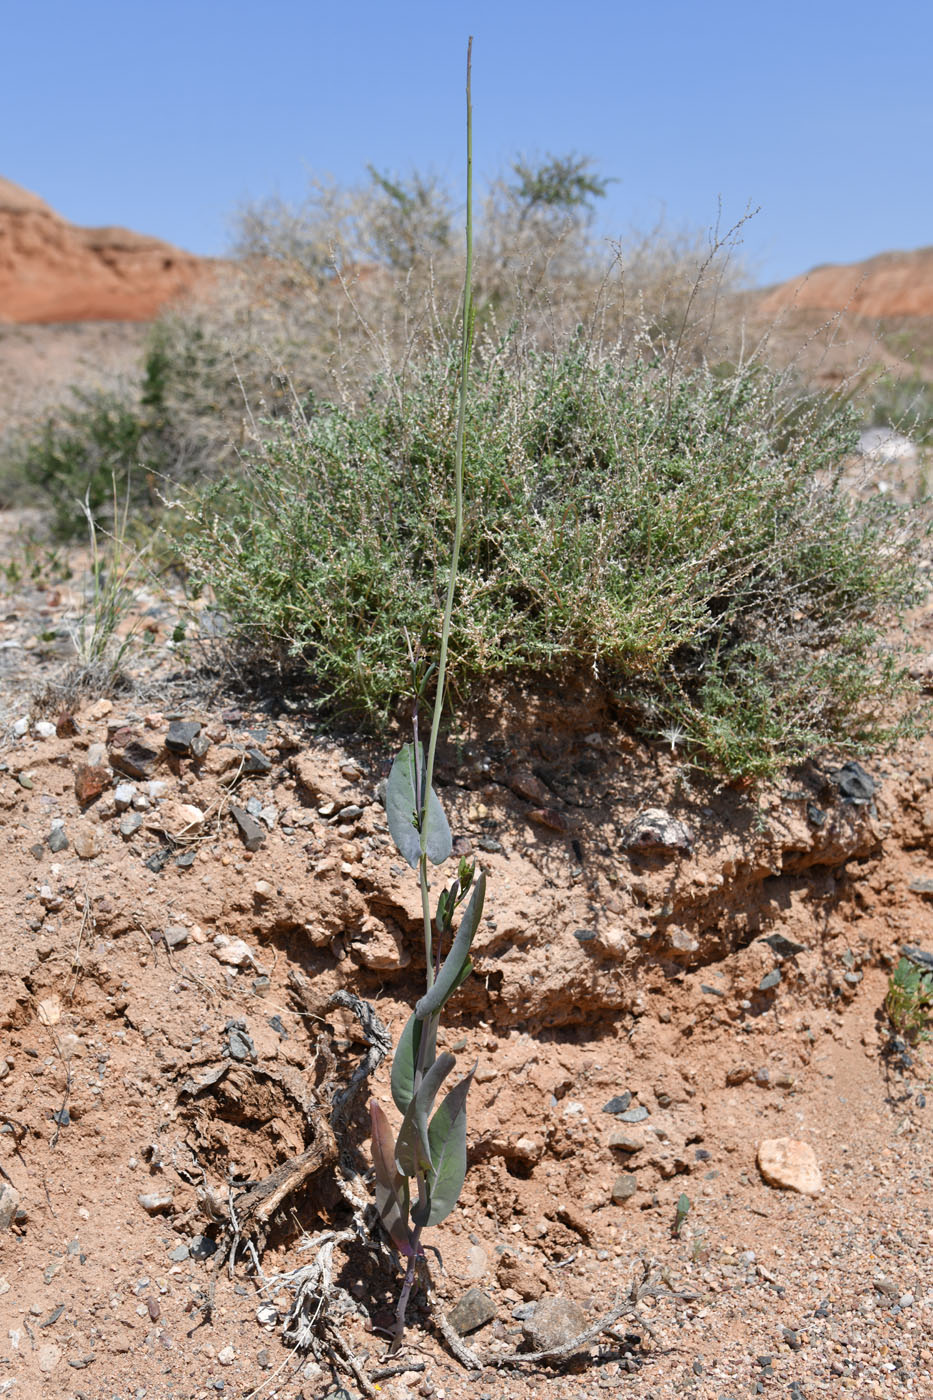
622	1307
86	918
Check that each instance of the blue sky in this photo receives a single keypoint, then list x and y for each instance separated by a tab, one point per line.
165	116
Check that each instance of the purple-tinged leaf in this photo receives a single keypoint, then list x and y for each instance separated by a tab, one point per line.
392	1192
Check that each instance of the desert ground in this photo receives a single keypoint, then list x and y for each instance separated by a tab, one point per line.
699	1151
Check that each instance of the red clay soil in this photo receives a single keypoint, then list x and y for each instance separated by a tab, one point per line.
54	271
168	1039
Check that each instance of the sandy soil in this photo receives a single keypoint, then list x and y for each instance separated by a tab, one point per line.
168	1041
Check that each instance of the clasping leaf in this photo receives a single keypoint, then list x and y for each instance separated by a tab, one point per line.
402	811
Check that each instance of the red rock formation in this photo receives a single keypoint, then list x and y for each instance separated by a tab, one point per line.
889	285
51	270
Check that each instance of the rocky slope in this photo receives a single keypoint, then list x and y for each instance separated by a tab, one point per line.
54	271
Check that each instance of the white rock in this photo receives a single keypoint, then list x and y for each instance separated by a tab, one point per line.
44	729
154	1202
49	1357
790	1165
123	795
477	1262
21	727
232	951
226	1356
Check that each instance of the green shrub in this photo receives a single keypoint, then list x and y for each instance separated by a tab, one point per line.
77	454
128	445
684	537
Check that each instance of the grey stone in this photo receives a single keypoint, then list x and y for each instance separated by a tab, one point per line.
350	814
250	830
136	760
770	980
635	1115
240	1042
655	832
626	1142
472	1311
130	823
9	1204
624	1188
618	1104
180	734
256	763
920	956
854	784
199	746
783	947
554	1322
175	936
179	1254
57	839
201	1247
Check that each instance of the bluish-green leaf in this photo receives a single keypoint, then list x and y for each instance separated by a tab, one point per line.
406	1058
451	973
401	809
447	1141
413	1148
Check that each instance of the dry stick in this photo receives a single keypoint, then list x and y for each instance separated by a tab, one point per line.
517	1358
86	918
384	1373
626	1308
346	1355
66	1065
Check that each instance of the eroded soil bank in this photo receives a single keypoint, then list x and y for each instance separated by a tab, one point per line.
654	996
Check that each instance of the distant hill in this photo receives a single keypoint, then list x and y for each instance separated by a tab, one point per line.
54	271
886	287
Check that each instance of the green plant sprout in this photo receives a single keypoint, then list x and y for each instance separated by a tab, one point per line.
909	1001
429	1151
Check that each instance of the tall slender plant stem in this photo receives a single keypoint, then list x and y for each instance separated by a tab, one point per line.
466	346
